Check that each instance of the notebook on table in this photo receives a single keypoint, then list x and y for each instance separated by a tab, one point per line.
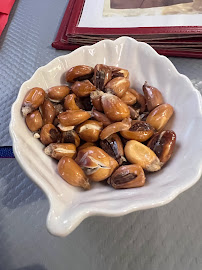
171	27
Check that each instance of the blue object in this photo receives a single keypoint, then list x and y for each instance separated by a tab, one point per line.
6	152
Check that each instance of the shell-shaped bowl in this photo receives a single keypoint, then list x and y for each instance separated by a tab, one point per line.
70	205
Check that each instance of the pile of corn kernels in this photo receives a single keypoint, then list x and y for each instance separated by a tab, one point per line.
101	129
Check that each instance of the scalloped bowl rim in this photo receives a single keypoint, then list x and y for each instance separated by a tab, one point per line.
166	198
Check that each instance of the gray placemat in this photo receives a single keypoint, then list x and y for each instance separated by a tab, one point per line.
164	238
25	45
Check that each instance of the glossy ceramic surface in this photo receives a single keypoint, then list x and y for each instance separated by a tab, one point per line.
70	205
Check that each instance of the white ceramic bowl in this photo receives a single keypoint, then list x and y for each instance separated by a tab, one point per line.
70	205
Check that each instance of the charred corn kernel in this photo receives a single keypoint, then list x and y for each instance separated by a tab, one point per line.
139	131
102	75
70	136
153	96
163	144
49	134
129	176
119	72
113	146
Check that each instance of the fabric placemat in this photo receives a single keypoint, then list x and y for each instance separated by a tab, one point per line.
25	45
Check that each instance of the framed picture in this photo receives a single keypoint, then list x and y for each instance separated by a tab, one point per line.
151	7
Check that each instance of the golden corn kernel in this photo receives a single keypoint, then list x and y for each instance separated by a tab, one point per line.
48	112
89	130
129	98
70	171
159	117
118	86
140	100
101	117
85	145
73	118
96	100
58	93
83	88
70	102
59	150
33	99
79	73
34	121
114	108
115	127
96	164
142	155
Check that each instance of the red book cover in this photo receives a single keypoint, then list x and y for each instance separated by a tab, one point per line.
5	8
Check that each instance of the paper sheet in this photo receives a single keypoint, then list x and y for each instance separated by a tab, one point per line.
98	14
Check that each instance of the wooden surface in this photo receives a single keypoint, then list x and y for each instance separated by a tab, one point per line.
127	4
